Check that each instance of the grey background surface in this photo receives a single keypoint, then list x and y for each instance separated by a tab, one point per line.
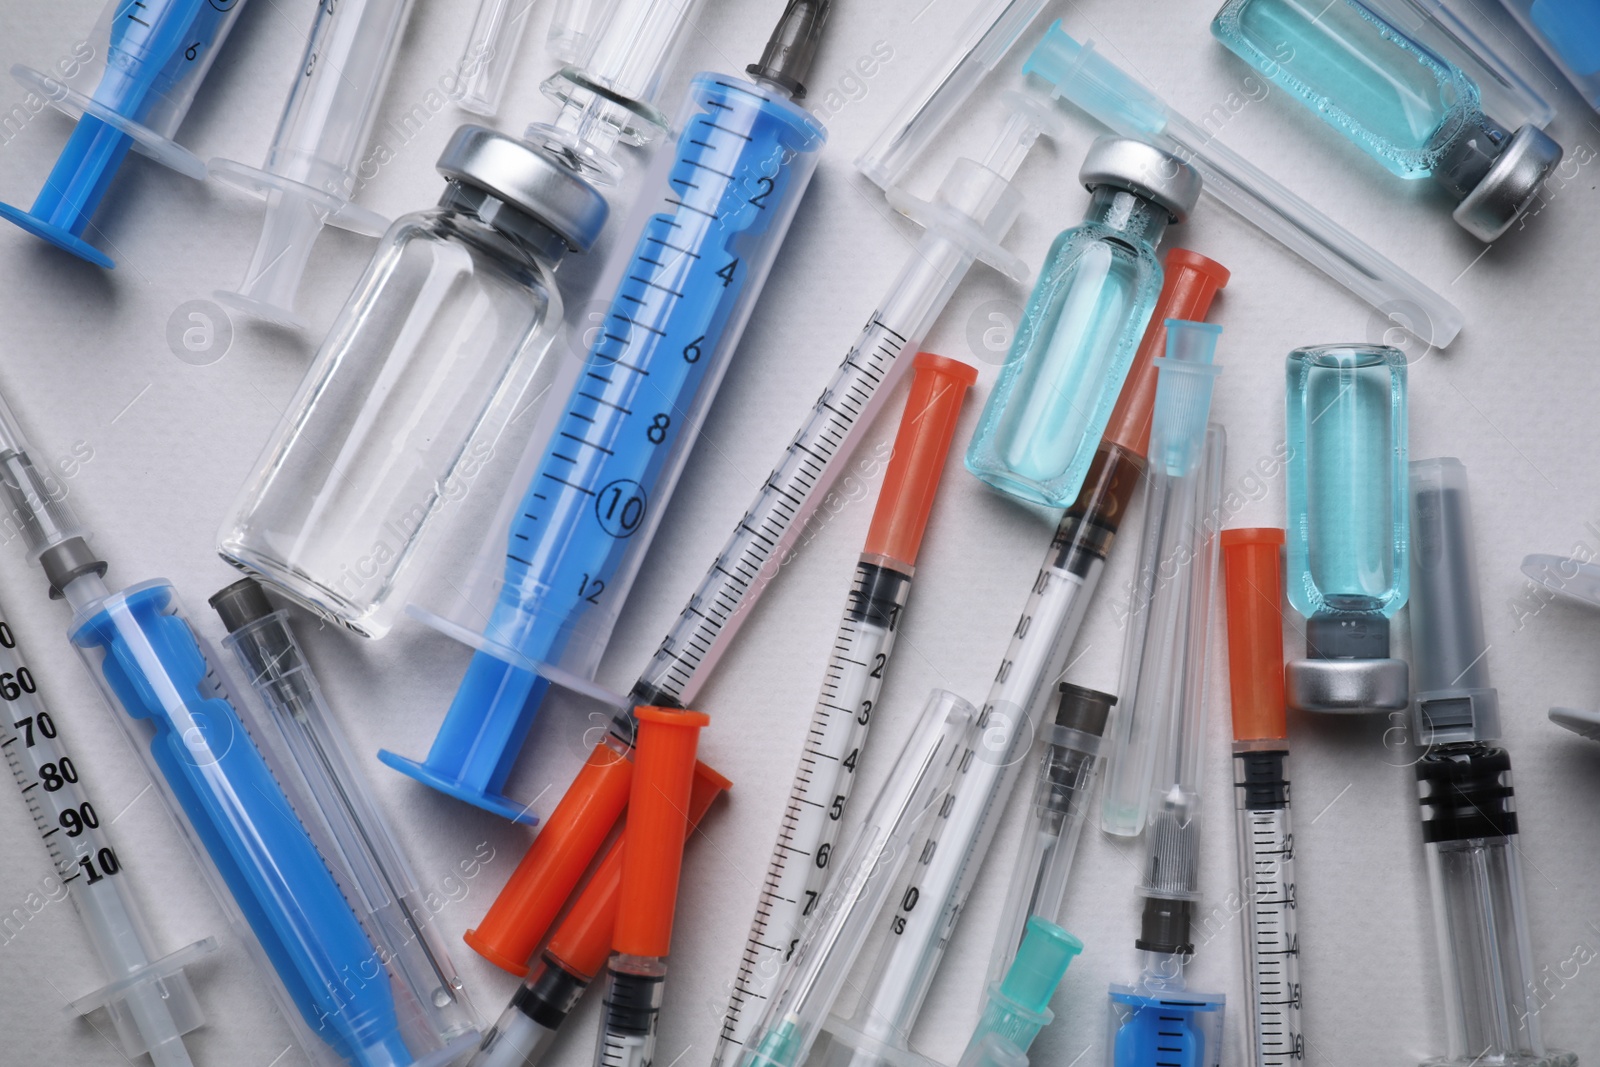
86	362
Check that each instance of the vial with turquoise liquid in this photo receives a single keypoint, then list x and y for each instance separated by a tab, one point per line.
1077	338
1348	529
1414	111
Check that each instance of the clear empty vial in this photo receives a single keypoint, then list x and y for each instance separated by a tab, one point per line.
415	383
1348	529
1082	325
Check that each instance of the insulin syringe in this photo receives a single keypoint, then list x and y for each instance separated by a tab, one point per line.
1253	581
799	869
149	999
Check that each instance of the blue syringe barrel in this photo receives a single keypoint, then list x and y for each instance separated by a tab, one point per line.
222	789
556	567
150	57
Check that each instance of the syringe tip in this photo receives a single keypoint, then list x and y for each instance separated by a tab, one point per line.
793	45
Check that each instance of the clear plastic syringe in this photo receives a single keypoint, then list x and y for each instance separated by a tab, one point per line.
153	56
990	32
311	171
1492	1007
611	97
1252	569
237	801
801	862
1114	98
149	998
865	881
1156	1020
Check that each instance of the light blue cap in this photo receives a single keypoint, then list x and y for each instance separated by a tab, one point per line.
1095	84
1019	1005
1183	395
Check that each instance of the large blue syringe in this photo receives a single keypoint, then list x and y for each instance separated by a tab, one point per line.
156	54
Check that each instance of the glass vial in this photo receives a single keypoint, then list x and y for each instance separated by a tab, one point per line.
1407	107
1349	528
415	383
1082	325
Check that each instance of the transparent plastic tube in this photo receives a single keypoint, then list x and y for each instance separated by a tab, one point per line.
1157	1019
990	32
861	887
1117	100
1480	911
149	998
311	171
1179	509
575	28
1068	765
491	53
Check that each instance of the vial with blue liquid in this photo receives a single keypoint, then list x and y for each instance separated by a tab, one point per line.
1082	325
1348	530
1414	111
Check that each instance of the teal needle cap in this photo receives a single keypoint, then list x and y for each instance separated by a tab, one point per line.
1019	1006
1183	395
1091	81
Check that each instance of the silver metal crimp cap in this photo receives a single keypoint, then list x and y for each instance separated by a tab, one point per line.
1160	177
1511	185
1347	686
527	179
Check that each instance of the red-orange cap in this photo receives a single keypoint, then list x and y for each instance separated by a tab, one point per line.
926	427
658	815
1189	283
582	940
1253	579
521	915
